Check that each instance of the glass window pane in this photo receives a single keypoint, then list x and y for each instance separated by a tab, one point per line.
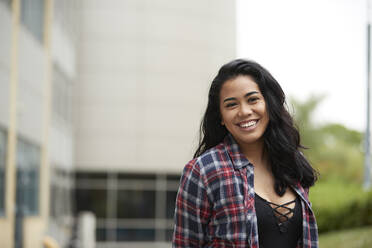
87	176
32	192
32	202
3	142
135	176
53	202
60	201
27	191
175	178
2	191
66	201
136	204
123	234
169	235
32	17
171	203
73	201
101	234
94	200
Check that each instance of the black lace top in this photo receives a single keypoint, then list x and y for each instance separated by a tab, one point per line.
279	226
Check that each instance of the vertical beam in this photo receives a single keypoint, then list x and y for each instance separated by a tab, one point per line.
35	228
10	174
47	97
160	206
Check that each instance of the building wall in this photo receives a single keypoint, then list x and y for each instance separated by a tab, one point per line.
43	139
61	141
5	29
63	49
143	73
144	69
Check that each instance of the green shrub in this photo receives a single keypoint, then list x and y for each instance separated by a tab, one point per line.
339	205
352	238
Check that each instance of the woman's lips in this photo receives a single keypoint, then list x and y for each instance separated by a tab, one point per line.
247	125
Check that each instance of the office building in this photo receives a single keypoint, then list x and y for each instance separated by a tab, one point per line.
100	107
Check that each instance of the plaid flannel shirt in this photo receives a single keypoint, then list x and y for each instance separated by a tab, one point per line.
215	202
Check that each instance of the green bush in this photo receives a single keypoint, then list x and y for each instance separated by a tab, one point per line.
352	238
339	205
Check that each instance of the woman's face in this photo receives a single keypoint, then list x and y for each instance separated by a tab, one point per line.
243	110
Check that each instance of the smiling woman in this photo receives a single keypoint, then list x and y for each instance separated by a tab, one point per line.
243	110
248	183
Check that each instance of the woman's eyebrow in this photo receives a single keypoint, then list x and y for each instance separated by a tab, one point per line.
251	93
229	99
246	95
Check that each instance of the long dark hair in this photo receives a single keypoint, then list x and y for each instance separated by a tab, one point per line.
281	138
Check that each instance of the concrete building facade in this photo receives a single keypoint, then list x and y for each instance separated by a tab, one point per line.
144	70
37	56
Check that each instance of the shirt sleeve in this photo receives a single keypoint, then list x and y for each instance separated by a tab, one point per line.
192	211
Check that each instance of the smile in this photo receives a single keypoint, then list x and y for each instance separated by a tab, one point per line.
248	124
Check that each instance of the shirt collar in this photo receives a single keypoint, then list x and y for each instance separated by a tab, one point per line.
238	159
304	194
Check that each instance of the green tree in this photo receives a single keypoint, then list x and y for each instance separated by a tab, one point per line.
333	149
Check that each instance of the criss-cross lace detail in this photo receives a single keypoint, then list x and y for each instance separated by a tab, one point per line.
282	213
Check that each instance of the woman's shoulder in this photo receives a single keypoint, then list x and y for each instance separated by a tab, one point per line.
211	160
213	156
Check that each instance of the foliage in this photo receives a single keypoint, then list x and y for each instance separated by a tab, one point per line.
334	150
355	238
340	205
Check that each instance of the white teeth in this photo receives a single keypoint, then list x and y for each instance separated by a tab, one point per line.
248	124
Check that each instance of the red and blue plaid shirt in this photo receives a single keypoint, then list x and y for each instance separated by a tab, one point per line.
215	202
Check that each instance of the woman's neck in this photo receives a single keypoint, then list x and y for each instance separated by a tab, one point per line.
255	153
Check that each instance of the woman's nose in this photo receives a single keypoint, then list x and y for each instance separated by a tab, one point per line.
245	110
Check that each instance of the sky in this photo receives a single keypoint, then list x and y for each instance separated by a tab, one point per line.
312	47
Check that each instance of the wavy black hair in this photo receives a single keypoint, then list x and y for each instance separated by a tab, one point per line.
281	138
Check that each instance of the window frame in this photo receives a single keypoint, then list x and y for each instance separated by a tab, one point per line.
107	229
4	135
27	162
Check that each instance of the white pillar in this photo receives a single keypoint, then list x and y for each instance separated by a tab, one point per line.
87	230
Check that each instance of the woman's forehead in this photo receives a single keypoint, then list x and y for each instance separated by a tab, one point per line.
239	87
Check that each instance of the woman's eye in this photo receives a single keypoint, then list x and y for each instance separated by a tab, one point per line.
253	99
230	105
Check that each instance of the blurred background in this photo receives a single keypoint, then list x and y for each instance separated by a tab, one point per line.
101	101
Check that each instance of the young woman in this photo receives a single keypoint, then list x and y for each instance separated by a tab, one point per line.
248	183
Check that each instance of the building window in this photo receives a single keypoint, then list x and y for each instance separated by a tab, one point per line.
135	204
129	207
62	95
3	143
61	197
125	234
93	200
61	221
27	191
171	203
32	17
